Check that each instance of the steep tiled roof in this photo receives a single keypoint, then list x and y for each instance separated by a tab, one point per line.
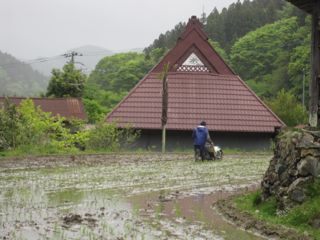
224	101
201	86
65	107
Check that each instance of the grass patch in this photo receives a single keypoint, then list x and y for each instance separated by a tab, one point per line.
298	218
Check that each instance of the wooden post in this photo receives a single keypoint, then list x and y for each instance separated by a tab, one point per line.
164	139
164	115
315	60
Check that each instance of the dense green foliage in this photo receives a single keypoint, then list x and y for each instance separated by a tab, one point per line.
227	26
111	80
240	18
287	107
27	126
119	72
9	126
299	217
18	79
108	136
68	82
273	57
28	129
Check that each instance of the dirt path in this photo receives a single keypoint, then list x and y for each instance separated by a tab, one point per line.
122	196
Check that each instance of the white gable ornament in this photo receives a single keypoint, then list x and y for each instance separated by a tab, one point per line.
193	64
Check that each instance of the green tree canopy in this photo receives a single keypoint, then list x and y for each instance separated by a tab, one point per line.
287	107
119	72
68	82
273	57
112	78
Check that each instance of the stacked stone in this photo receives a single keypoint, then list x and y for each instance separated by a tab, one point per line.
295	165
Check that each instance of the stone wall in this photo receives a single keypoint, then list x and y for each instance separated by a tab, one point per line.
295	165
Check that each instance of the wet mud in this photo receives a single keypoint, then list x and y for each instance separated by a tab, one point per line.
122	196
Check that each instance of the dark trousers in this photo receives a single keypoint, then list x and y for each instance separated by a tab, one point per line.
199	150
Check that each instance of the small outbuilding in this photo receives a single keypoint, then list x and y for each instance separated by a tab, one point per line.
201	86
64	107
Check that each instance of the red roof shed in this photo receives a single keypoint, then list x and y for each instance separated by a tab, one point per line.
201	86
65	107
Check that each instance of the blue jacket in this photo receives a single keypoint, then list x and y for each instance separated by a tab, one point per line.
200	135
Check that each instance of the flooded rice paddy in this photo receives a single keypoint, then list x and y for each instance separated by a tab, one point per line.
130	198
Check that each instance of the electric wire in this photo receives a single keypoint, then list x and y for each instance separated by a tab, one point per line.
47	59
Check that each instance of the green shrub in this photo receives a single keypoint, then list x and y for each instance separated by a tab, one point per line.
108	137
28	129
9	126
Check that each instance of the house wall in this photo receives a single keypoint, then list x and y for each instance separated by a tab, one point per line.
151	140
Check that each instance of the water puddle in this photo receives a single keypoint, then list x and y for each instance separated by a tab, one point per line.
190	215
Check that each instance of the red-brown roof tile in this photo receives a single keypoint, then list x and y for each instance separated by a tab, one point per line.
192	101
65	107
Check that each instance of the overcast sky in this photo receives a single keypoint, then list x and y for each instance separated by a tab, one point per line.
43	28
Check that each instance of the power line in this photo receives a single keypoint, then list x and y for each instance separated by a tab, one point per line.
47	59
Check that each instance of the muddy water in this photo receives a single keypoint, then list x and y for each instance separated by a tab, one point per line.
191	215
131	200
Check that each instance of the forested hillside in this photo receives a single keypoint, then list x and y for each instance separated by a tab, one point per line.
19	79
266	42
231	23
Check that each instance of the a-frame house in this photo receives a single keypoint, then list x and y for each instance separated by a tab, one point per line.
201	86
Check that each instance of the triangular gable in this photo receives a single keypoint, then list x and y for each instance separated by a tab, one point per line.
194	40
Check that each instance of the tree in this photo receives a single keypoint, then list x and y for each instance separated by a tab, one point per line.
119	72
167	40
269	58
112	78
27	127
68	82
287	107
164	113
227	26
9	126
94	110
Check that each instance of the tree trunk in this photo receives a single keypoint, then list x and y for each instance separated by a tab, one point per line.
164	115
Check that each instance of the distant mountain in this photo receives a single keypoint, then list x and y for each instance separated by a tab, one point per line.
19	79
87	60
137	50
